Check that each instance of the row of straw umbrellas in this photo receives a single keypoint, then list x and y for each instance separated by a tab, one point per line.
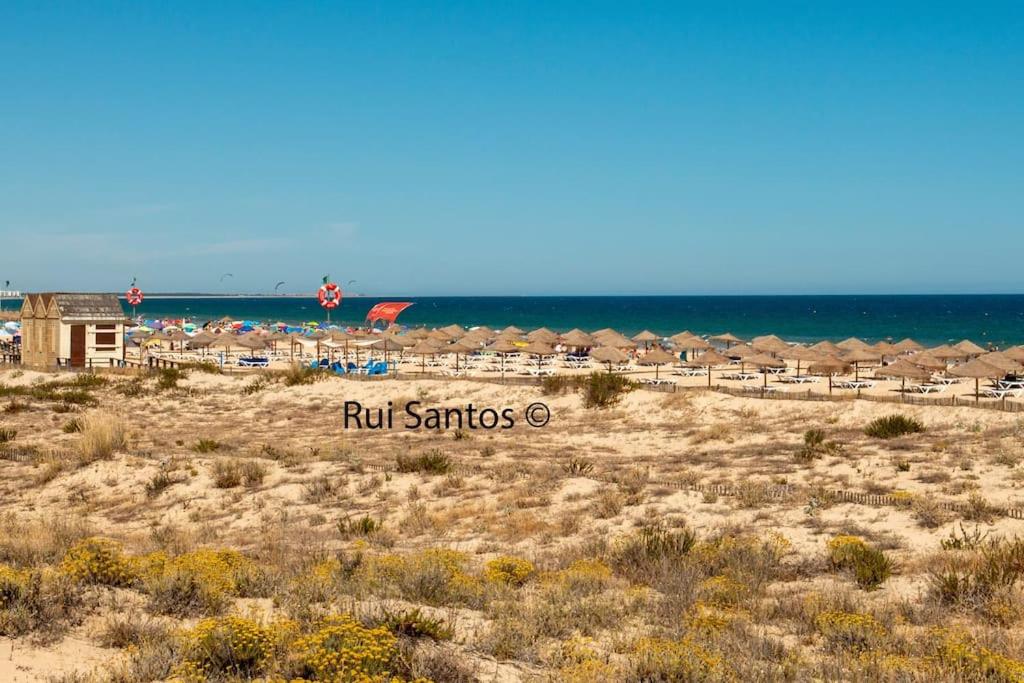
910	359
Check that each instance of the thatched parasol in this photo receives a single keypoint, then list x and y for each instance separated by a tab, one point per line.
512	329
708	360
252	341
502	347
826	348
969	348
800	354
829	365
1001	361
657	357
423	349
615	339
858	356
387	344
853	344
762	361
979	370
770	344
542	334
1015	353
946	352
577	338
883	348
609	355
927	360
907	345
418	333
454	330
728	337
646	338
459	348
905	370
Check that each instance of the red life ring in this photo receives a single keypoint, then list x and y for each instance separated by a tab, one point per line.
134	296
329	295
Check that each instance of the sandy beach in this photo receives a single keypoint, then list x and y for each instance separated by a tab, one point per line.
565	558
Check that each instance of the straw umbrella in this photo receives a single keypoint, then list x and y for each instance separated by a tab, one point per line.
609	355
969	348
826	348
542	334
764	361
769	344
858	356
318	337
947	352
800	354
1001	361
854	344
502	347
418	333
538	349
252	341
657	357
829	365
1015	353
646	338
928	361
728	337
708	360
512	329
459	347
883	348
202	341
424	349
454	330
979	370
903	369
387	344
907	345
577	338
181	337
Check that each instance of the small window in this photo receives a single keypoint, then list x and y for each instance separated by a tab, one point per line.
106	338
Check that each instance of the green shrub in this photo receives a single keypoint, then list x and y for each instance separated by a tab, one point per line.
578	467
870	567
555	385
298	375
651	552
430	462
603	389
168	378
8	435
72	426
206	446
415	624
891	426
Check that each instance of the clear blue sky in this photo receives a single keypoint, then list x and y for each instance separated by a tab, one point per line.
513	148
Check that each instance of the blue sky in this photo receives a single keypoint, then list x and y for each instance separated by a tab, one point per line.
513	148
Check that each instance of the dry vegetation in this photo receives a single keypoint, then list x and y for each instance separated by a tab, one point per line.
205	527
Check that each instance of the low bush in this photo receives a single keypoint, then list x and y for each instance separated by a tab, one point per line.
168	378
892	426
429	462
100	561
8	435
415	624
603	389
206	446
870	567
508	570
555	385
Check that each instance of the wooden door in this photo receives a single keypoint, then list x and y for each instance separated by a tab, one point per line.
78	346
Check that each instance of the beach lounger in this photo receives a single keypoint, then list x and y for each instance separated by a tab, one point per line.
757	389
690	372
927	388
657	382
253	362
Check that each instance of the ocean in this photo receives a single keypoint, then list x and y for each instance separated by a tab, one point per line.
930	319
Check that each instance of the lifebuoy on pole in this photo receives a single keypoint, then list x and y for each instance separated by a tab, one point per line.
329	295
134	296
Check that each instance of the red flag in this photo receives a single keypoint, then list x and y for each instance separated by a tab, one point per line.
387	310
